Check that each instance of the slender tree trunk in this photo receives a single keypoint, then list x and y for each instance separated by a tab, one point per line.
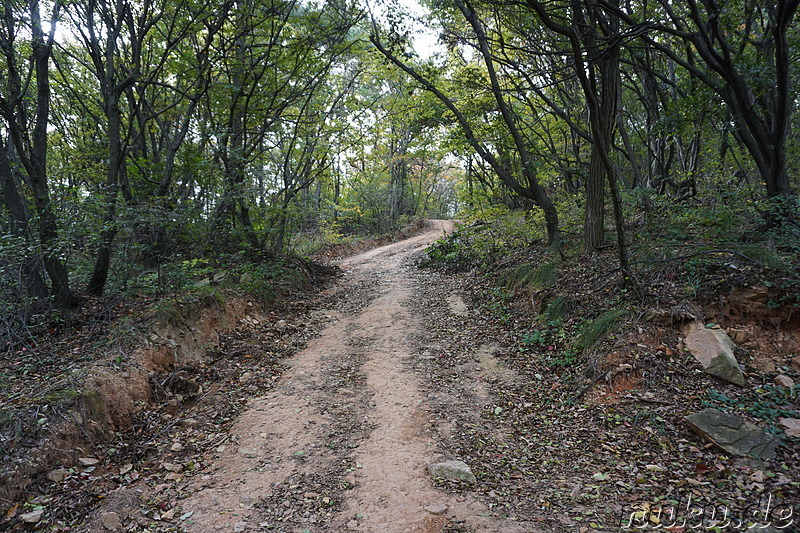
116	160
533	191
594	209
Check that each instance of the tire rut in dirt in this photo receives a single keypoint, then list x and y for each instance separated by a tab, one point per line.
311	496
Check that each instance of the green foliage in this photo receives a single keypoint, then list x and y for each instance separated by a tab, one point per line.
534	337
265	280
564	359
453	253
15	300
61	395
764	255
551	340
495	302
517	277
559	307
594	331
530	276
496	228
771	403
545	275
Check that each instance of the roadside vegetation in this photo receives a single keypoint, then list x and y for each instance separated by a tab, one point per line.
611	164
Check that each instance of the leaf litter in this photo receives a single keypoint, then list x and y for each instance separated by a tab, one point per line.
541	456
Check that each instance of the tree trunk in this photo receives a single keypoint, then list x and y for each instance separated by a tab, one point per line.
603	104
594	209
32	280
31	146
116	161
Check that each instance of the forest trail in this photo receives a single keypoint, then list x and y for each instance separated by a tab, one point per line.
343	441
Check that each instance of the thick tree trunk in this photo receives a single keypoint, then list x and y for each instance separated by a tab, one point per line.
247	226
603	120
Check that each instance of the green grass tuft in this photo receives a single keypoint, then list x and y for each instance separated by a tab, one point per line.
559	307
763	255
545	276
592	332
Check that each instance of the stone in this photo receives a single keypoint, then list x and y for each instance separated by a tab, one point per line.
733	434
458	470
248	452
111	521
784	381
713	349
679	314
33	517
457	306
796	363
739	336
437	509
240	526
58	475
791	426
88	461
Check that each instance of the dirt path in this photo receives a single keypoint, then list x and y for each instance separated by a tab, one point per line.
343	441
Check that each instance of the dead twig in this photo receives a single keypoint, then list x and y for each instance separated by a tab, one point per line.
588	386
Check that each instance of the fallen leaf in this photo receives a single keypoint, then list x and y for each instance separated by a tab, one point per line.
702	468
11	513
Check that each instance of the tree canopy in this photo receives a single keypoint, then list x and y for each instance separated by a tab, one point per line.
139	136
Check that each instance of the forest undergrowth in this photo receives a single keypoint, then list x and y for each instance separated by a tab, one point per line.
591	433
585	383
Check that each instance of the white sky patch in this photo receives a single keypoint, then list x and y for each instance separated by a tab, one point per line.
425	39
